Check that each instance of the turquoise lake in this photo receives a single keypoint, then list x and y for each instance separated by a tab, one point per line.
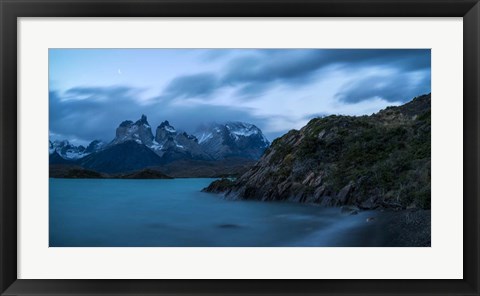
175	213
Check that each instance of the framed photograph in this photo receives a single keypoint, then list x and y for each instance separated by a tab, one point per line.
239	148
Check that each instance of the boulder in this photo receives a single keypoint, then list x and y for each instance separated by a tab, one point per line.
344	194
308	178
317	181
321	134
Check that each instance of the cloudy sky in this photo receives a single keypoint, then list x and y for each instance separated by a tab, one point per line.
93	90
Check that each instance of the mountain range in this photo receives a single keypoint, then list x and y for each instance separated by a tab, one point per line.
135	147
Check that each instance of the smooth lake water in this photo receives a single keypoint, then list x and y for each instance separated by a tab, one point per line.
156	213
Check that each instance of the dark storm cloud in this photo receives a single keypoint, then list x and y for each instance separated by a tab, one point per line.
294	66
393	88
197	85
97	93
288	67
260	70
253	89
91	113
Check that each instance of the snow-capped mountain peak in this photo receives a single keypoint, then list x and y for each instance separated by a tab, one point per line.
238	139
94	146
241	129
164	132
140	132
211	142
173	144
72	152
167	127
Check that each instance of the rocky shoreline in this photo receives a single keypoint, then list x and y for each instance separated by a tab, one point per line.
394	228
374	228
384	226
406	228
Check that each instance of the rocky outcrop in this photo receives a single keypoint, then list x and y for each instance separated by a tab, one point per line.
219	186
374	161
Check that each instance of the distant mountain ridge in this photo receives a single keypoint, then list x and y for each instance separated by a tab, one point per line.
135	146
232	139
68	151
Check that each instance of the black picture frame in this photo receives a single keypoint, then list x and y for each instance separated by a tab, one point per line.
10	10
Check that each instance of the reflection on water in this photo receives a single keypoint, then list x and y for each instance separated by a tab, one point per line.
155	213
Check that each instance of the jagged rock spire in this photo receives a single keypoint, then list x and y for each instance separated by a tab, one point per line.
139	132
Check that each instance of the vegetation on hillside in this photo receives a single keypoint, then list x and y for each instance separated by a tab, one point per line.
368	161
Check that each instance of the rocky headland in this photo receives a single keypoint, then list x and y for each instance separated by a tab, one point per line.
364	162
